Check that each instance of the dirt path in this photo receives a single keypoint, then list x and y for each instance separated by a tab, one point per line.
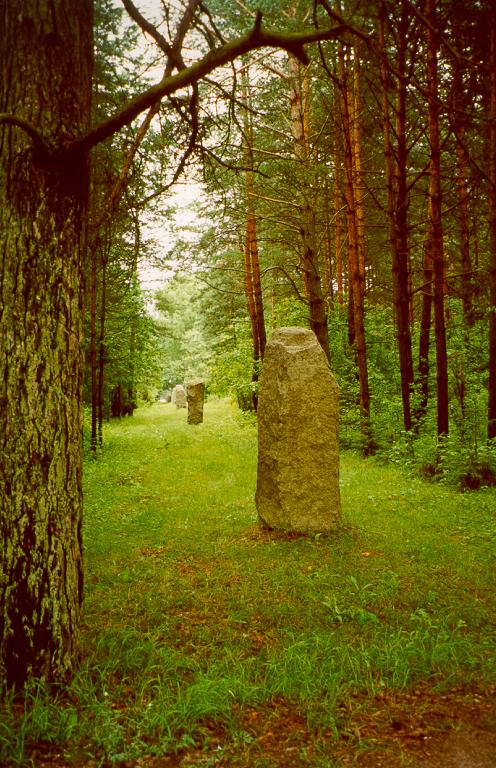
466	748
427	730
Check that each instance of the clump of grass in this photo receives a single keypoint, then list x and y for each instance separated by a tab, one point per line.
195	616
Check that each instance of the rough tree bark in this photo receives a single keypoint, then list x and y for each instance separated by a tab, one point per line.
45	79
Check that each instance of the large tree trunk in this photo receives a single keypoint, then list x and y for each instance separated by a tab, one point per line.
45	79
356	274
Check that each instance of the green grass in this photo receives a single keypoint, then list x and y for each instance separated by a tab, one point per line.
196	619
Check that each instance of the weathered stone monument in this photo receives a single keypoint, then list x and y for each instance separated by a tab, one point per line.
178	396
298	421
195	392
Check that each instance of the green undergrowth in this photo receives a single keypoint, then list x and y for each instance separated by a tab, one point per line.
195	615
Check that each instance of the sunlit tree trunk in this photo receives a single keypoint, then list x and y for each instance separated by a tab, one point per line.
250	301
257	281
309	251
45	66
355	273
328	260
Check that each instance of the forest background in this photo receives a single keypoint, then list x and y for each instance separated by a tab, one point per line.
355	195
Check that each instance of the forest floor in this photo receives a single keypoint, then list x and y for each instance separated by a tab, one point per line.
210	641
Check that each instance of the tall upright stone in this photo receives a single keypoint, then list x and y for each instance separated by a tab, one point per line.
195	393
298	422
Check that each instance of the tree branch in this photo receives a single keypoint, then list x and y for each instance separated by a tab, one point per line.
257	38
339	19
173	53
39	145
147	27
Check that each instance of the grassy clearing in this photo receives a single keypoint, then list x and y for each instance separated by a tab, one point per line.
202	631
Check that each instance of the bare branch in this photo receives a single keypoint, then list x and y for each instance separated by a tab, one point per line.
173	52
147	27
257	38
185	24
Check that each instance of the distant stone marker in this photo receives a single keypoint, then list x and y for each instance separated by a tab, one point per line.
178	396
196	395
298	423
